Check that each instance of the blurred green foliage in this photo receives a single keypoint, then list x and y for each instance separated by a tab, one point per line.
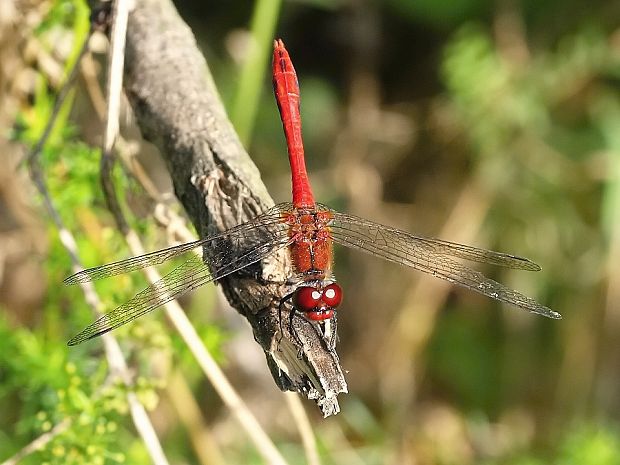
520	99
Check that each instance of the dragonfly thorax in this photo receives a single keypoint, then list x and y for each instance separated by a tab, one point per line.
311	243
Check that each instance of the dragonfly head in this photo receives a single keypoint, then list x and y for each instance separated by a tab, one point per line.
318	302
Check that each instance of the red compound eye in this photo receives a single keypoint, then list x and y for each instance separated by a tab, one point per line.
332	295
307	298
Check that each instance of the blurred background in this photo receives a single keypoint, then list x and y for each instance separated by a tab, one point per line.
493	123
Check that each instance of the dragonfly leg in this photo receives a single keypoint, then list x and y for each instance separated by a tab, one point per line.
291	328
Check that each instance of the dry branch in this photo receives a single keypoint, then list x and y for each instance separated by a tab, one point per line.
178	109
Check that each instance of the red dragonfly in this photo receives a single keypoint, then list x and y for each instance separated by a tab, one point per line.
308	229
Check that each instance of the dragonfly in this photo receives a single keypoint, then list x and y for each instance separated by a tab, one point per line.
308	231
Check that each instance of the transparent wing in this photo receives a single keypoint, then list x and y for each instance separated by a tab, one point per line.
184	278
226	253
435	257
267	224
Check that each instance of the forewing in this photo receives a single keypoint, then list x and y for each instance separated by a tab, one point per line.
434	257
268	223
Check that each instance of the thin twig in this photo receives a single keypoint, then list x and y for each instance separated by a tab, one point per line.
115	77
60	99
203	441
210	367
305	428
112	349
39	443
119	17
114	88
93	88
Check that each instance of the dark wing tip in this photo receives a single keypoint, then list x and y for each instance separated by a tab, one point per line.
86	335
75	340
519	263
80	337
529	265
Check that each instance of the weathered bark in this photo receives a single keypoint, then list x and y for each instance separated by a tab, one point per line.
178	109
